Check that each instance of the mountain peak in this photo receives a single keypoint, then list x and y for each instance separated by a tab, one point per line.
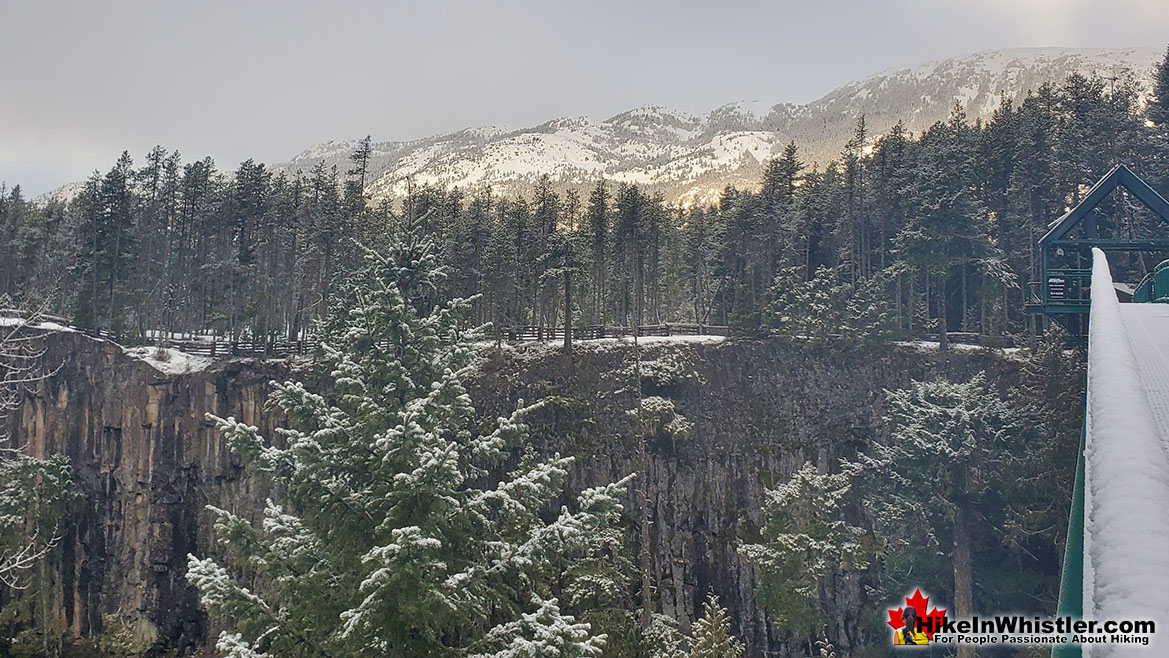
1005	60
690	159
750	109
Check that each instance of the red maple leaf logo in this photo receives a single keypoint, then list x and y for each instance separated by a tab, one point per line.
929	622
895	619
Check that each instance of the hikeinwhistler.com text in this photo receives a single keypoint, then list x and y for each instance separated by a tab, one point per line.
1019	629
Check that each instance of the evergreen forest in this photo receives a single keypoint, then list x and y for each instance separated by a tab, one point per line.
903	235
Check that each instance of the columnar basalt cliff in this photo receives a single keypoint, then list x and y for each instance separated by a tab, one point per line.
149	462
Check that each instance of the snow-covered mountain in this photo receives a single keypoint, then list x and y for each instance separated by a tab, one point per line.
980	82
692	158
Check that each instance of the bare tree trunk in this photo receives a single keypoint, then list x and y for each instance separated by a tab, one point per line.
643	485
639	282
964	300
963	563
567	312
943	339
900	317
1006	318
1035	274
909	303
44	596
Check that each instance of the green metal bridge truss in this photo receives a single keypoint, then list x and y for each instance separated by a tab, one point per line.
1062	293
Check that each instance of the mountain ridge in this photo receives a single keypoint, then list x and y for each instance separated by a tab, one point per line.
690	158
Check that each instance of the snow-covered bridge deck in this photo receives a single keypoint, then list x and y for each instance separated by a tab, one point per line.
1126	462
1148	336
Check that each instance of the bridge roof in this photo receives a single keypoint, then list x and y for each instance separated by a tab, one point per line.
1118	176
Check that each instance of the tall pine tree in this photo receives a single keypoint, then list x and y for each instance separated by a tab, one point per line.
385	543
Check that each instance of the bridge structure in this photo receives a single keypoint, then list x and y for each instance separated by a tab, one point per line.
1116	562
1114	217
1099	276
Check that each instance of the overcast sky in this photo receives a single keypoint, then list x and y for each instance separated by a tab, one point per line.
84	80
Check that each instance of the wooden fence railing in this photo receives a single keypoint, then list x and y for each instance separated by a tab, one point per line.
973	338
593	332
224	348
217	347
220	347
228	349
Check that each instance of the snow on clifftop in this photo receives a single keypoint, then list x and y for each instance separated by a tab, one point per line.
43	325
169	361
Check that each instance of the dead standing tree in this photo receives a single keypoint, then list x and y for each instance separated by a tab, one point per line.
35	492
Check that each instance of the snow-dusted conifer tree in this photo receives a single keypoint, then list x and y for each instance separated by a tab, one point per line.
35	496
805	539
819	309
662	639
711	636
398	536
952	446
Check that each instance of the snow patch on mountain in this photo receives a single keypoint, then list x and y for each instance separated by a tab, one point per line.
690	158
64	194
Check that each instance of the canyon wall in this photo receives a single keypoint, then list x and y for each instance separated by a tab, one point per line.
149	462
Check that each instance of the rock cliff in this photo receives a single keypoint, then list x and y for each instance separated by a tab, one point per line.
148	461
